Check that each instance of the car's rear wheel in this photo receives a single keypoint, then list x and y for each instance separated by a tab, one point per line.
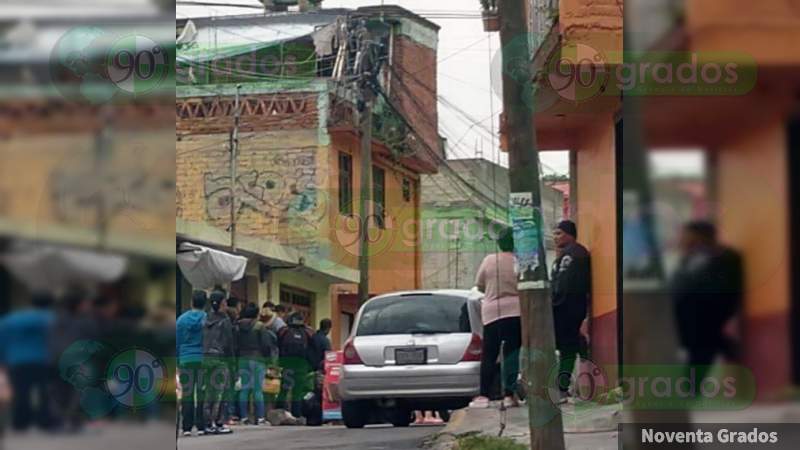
399	417
354	414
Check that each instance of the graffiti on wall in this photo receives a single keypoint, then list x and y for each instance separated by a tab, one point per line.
282	189
80	188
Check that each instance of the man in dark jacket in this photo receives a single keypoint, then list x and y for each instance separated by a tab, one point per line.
707	293
234	309
571	288
73	323
320	343
257	347
218	351
294	342
189	339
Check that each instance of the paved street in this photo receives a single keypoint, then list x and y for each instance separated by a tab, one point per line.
310	438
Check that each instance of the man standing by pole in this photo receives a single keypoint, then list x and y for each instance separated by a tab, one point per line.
572	277
525	207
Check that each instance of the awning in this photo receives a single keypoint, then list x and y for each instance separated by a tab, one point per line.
268	251
44	267
206	267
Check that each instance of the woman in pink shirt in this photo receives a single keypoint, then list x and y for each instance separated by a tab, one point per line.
500	312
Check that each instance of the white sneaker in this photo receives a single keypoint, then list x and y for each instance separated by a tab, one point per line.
263	421
187	434
479	403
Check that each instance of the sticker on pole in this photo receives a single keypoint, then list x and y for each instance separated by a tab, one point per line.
525	220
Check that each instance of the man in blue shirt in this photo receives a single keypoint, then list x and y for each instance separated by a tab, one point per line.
24	339
189	340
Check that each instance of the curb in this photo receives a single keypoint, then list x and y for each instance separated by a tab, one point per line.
447	438
600	422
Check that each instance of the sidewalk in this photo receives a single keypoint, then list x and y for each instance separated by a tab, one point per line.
586	427
590	427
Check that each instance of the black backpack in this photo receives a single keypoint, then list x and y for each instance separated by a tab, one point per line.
294	342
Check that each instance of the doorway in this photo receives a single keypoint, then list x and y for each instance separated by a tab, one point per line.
298	300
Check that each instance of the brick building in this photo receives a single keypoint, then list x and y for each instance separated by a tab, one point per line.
78	172
298	182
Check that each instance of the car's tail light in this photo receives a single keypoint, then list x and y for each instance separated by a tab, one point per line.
474	349
350	353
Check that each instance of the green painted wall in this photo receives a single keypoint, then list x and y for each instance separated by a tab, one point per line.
321	305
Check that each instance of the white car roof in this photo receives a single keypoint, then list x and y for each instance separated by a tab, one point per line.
470	294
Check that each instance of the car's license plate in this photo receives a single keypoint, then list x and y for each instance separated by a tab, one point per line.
404	356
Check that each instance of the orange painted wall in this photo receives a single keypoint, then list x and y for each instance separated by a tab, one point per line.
596	204
394	264
752	213
753	218
762	29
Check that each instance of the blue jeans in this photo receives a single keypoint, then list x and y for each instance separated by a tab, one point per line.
252	371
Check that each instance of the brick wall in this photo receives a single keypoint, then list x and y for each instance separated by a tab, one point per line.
280	185
62	181
265	112
413	88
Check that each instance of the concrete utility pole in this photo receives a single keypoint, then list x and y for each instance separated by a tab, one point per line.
364	113
234	150
545	424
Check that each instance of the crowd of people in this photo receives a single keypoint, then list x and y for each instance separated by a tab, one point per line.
231	352
54	353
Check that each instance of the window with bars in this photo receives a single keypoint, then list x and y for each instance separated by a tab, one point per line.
345	184
379	196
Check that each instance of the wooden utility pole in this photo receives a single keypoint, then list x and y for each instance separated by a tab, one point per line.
365	199
364	113
546	429
649	331
234	150
102	153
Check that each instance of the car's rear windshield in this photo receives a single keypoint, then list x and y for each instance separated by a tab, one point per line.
410	314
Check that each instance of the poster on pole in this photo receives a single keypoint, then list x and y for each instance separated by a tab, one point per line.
525	219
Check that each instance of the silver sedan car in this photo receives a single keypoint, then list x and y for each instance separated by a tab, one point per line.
415	350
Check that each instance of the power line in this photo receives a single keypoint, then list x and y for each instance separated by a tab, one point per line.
436	155
443	162
472	121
